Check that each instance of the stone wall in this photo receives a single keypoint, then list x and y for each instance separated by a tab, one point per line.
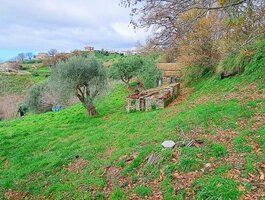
152	99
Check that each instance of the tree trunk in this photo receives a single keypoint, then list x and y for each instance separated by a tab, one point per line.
91	110
84	96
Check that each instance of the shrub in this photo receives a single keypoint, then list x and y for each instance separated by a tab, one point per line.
194	74
35	74
234	63
31	61
257	61
51	61
37	100
150	74
248	59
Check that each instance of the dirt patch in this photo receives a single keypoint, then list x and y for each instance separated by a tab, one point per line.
77	166
221	136
256	180
247	93
111	174
12	195
184	181
204	99
259	121
182	97
243	94
109	151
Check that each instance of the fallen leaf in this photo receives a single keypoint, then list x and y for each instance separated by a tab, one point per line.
261	175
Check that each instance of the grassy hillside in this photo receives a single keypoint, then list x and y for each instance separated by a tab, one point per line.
18	84
67	155
13	84
13	89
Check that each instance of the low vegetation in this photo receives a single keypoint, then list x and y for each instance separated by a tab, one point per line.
67	155
12	84
217	121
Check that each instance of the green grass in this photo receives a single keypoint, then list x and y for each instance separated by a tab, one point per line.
117	194
14	84
39	74
220	170
143	191
241	144
189	160
218	150
17	84
35	151
216	187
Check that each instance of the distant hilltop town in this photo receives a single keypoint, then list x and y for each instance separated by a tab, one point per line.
53	52
27	56
49	58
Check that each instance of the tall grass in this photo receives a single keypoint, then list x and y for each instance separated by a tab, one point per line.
250	58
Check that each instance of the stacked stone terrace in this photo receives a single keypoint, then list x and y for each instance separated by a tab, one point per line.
152	99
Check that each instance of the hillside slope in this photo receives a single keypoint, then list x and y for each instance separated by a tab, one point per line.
67	155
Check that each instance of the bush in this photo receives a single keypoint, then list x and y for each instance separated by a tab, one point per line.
257	61
194	74
50	61
37	100
150	74
31	61
249	59
35	74
234	63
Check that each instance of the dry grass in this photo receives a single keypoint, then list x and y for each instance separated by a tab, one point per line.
9	105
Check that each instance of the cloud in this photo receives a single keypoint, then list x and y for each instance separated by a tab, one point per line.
28	25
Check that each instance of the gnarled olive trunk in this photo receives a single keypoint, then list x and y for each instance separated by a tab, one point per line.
126	80
83	94
91	110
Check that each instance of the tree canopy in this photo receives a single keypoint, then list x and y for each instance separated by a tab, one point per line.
126	68
201	32
165	16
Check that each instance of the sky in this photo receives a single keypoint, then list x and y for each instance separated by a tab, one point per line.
37	26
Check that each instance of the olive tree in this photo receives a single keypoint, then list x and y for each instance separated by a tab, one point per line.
126	68
83	77
150	74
